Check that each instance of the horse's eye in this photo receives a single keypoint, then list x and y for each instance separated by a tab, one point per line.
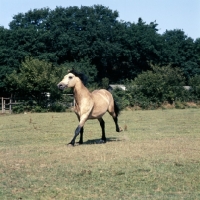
70	77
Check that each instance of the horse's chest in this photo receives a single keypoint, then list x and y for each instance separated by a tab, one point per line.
77	109
81	109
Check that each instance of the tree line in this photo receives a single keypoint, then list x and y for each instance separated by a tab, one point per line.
94	41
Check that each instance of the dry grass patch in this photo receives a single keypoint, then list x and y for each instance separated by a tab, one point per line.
157	157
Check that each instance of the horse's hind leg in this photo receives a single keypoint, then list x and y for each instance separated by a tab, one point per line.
113	110
114	116
102	124
116	124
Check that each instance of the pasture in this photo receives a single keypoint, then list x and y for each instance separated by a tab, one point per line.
156	157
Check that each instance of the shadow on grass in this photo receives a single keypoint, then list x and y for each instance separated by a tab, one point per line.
99	141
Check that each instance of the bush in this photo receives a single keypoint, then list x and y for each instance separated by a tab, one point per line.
58	107
18	109
179	105
194	82
39	109
28	106
121	98
151	88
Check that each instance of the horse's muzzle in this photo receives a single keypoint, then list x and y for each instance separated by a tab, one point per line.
61	86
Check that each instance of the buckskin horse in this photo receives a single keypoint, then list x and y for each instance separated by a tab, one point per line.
89	105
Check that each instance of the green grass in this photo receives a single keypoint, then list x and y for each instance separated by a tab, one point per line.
157	157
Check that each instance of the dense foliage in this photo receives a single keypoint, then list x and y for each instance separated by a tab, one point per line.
152	88
94	41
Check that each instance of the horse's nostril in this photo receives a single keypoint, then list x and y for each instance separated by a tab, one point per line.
61	86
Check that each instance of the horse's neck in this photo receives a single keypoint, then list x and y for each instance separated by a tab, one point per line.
80	92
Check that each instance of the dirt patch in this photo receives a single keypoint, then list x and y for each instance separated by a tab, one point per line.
191	104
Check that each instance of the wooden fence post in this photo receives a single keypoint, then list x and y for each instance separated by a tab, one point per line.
10	106
2	104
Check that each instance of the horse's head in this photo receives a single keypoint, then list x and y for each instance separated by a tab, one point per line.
68	81
71	78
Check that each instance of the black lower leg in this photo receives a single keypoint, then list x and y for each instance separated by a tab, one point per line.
81	136
116	124
77	131
102	124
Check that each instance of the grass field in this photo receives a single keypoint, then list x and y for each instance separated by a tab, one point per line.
157	157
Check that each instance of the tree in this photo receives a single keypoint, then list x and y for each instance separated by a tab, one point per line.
180	51
194	82
33	19
116	49
68	34
34	79
137	45
8	57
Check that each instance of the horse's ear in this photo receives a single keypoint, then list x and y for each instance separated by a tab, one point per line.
71	71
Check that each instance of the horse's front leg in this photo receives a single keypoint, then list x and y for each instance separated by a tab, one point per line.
81	132
102	124
79	129
77	132
81	136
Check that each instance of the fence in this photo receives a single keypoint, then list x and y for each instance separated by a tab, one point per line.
6	104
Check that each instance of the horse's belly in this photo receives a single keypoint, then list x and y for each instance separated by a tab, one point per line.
101	103
97	113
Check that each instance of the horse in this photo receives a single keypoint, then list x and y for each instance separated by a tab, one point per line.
89	105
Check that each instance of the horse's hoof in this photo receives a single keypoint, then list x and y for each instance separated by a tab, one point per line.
79	143
102	141
119	130
70	145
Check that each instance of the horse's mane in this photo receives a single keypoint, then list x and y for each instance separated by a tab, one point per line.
82	76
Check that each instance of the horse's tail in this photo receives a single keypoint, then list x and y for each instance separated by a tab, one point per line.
116	108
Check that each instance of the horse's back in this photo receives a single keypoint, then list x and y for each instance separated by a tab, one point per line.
102	95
